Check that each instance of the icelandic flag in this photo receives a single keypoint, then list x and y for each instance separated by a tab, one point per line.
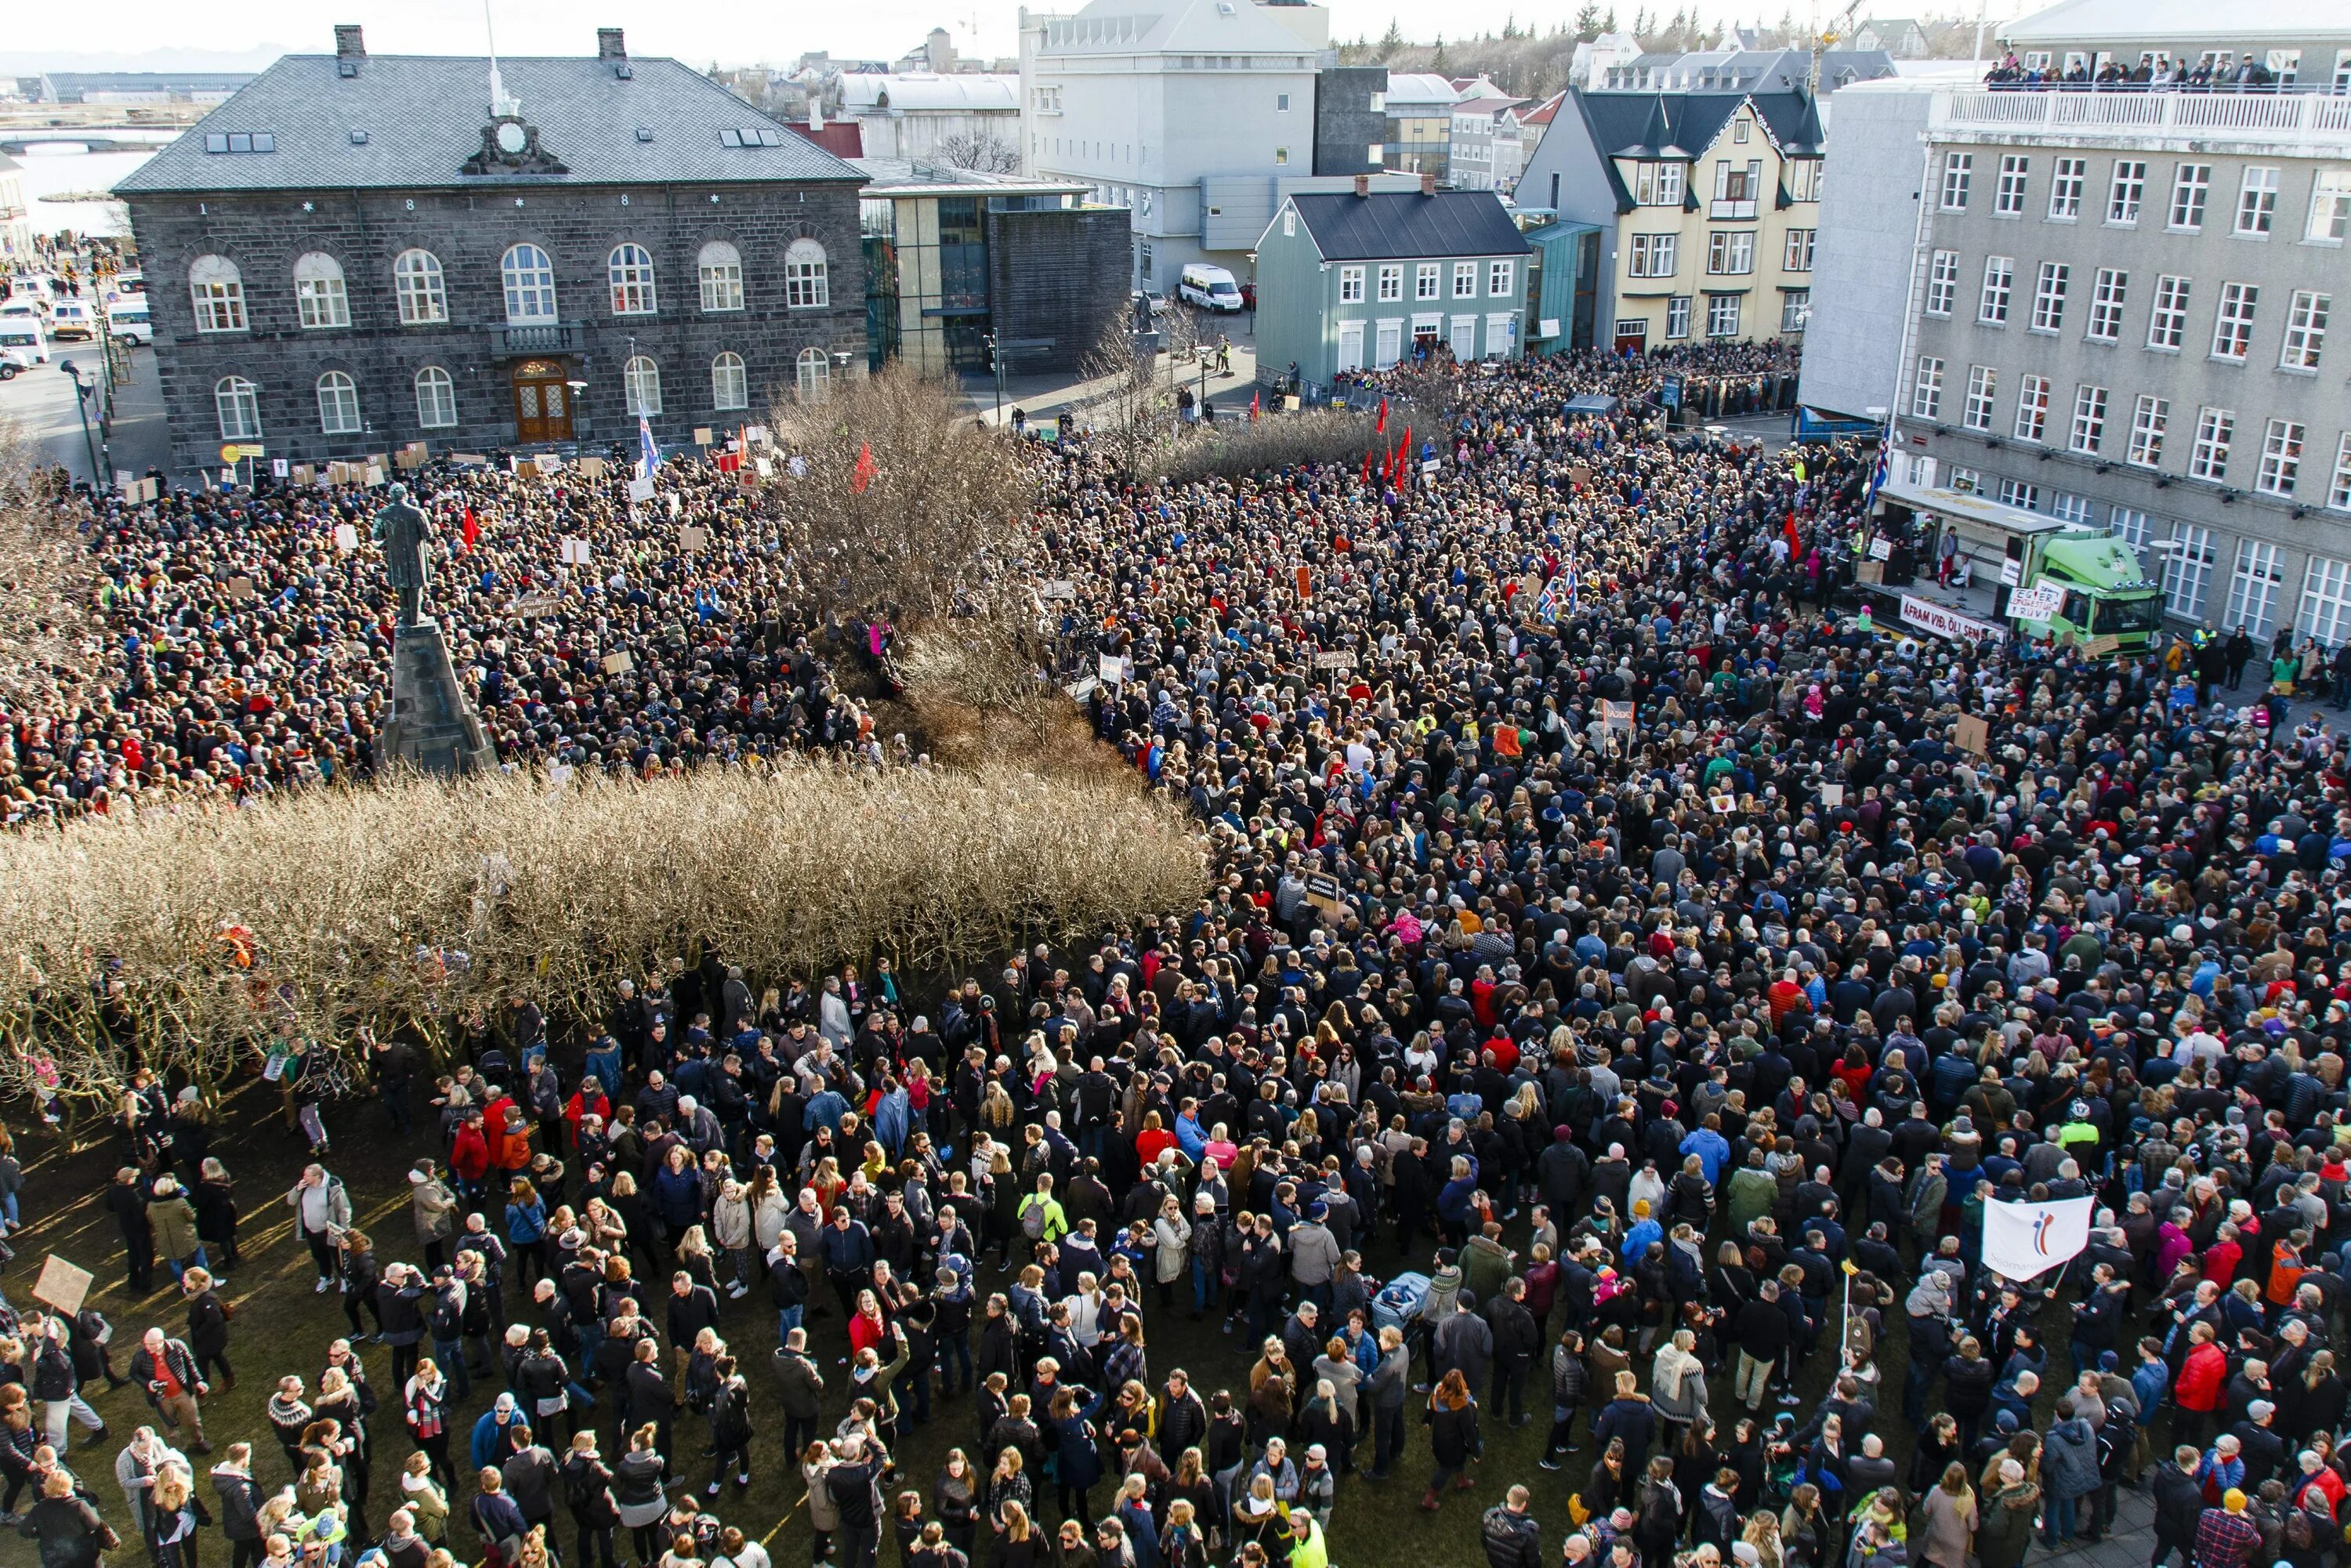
1877	473
1547	602
648	454
1573	582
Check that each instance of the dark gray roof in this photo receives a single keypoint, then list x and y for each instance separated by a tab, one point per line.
1623	122
1388	225
424	116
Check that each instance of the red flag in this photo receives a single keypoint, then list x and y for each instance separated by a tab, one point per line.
1252	405
1368	467
865	468
1380	426
471	529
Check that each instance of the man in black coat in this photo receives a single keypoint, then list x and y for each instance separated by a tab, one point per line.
1517	1338
646	1397
2179	1506
127	1204
1511	1537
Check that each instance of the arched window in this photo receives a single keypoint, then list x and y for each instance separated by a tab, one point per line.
729	388
339	404
805	287
641	381
239	403
631	270
416	280
529	280
436	399
319	298
722	277
814	374
219	292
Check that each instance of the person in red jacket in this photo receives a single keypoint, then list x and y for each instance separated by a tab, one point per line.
469	1157
2198	1391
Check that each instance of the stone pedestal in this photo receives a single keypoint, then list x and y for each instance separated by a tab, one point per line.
432	728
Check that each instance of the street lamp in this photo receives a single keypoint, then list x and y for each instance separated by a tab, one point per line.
82	390
578	418
1252	294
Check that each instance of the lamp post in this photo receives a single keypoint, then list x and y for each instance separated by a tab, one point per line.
1252	295
579	411
82	390
996	364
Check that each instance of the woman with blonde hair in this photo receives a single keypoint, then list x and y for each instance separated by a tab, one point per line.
1951	1518
1018	1545
1763	1533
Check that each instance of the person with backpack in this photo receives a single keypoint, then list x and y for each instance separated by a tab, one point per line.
587	1493
730	1429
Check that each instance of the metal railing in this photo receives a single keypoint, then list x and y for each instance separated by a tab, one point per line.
2266	117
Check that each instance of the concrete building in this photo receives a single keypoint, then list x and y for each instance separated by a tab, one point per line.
357	252
2117	314
1592	60
1869	223
1186	112
1709	204
1485	151
1350	119
970	120
1365	277
15	227
1420	108
2305	43
957	260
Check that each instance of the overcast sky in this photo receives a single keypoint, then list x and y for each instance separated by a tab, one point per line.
775	34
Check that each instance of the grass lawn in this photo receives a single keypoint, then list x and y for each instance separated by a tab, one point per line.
281	1326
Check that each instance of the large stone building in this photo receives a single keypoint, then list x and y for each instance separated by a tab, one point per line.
2118	311
356	252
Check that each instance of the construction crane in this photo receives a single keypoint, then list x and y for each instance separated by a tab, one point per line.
1822	39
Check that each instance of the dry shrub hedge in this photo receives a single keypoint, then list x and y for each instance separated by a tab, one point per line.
1232	448
393	906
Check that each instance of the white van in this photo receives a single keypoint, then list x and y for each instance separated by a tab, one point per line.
127	319
72	318
1209	288
23	345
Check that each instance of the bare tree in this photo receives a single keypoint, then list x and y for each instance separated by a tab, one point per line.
1129	406
47	578
981	150
897	501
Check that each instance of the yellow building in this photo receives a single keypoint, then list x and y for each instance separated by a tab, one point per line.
1713	200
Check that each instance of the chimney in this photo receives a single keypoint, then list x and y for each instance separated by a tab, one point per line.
1362	184
816	113
350	44
609	44
1429	184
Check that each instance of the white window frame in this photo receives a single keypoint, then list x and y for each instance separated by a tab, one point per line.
1926	388
322	303
2089	428
1730	253
1391	282
436	399
2188	569
236	403
2126	191
339	404
2032	420
2280	466
1351	345
2150	421
640	387
216	288
2257	199
1797	251
2216	431
730	383
2166	319
1796	310
2049	290
2108	295
1426	278
1723	315
1350	285
1464	279
2007	197
2232	324
1983	389
2305	331
2021	493
1677	317
526	275
2326	601
807	278
1501	279
1999	285
2254	584
718	279
1654	256
420	288
2191	189
2132	527
1388	342
1942	282
1958	171
2330	207
2065	188
2338	489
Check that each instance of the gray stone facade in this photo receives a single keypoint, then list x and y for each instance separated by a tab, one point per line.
263	232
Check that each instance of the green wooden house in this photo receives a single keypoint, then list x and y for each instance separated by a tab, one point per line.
1353	281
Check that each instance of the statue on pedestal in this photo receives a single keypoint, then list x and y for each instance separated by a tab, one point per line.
405	535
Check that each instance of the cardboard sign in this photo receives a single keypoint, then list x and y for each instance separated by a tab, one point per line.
1973	734
765	467
591	467
469	460
1332	659
702	435
1881	549
1322	893
756	434
304	476
1617	715
405	460
693	538
550	463
1832	794
63	1285
1113	669
279	468
2012	572
125	481
641	489
618	663
346	538
574	552
1061	587
374	475
240	587
148	489
530	605
1869	572
1580	476
1080	690
2039	603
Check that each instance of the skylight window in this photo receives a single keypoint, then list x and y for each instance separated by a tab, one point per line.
240	142
751	136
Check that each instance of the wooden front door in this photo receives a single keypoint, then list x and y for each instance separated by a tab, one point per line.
542	402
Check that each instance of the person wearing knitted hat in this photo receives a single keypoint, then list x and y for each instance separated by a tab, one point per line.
2225	1537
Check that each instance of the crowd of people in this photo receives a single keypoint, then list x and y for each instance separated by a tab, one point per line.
1621	999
